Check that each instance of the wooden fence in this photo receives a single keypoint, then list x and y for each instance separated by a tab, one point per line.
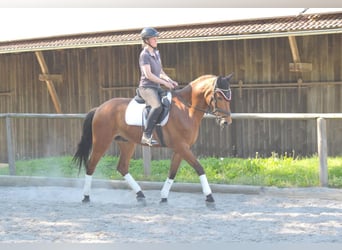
321	134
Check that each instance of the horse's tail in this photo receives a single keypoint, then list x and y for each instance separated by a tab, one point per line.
84	146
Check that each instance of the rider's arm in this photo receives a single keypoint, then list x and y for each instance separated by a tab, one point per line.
164	76
153	78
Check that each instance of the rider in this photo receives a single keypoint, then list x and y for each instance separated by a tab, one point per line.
152	76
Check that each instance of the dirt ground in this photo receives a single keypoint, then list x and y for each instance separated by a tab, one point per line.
56	214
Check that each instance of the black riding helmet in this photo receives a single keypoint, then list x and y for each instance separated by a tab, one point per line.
147	33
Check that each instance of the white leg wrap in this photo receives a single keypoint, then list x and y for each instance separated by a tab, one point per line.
166	188
205	185
87	184
132	183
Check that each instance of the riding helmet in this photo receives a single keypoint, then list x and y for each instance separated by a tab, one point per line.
147	33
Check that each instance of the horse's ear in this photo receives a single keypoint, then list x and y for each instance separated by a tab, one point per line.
228	77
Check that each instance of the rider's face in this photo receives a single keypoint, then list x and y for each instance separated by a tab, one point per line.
153	41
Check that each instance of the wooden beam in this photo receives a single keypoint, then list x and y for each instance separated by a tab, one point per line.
49	83
3	93
51	77
300	67
294	49
297	65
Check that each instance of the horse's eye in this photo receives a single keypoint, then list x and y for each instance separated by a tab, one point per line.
219	98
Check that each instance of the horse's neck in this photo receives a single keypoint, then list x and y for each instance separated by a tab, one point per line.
185	94
189	97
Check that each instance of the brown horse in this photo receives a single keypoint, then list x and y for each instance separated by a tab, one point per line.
207	94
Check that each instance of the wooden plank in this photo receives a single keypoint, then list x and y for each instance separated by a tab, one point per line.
266	61
300	67
50	77
6	93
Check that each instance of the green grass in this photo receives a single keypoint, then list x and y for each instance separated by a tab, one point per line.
279	171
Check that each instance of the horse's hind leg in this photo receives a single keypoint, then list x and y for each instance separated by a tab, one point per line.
94	159
101	143
126	152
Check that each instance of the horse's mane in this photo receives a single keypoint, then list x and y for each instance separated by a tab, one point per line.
197	80
200	79
202	85
188	88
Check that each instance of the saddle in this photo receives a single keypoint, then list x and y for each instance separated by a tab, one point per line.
137	110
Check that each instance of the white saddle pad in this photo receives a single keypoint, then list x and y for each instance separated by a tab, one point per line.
134	113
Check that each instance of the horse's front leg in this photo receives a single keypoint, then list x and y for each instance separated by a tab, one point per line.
126	152
191	159
135	187
164	193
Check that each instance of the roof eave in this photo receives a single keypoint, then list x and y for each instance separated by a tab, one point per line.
252	36
182	40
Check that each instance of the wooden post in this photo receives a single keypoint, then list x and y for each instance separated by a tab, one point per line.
322	151
240	83
10	152
146	153
300	82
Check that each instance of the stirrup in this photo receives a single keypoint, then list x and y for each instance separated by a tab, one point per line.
149	141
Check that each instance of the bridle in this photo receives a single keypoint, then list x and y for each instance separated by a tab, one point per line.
227	97
213	109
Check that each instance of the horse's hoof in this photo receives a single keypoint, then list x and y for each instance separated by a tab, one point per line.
141	198
210	202
86	199
210	198
163	201
140	194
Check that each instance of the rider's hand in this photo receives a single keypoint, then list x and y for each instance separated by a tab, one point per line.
169	85
174	83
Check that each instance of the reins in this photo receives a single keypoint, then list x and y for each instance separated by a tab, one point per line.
189	105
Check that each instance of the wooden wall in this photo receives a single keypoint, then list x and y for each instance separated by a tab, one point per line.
93	75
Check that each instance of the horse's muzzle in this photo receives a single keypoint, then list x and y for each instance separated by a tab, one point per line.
225	121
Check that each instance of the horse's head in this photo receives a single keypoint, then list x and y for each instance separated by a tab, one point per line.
220	100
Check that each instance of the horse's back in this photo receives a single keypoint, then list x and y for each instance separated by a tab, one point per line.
112	110
114	104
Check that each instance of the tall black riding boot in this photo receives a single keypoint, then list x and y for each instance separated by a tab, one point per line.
151	122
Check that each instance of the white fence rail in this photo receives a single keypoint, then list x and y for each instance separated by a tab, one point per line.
321	133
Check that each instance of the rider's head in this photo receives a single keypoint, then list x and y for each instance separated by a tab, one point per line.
146	35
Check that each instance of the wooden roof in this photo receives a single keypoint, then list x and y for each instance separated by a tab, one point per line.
309	24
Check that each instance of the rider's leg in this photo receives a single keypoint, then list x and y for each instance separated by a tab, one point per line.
151	120
151	96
